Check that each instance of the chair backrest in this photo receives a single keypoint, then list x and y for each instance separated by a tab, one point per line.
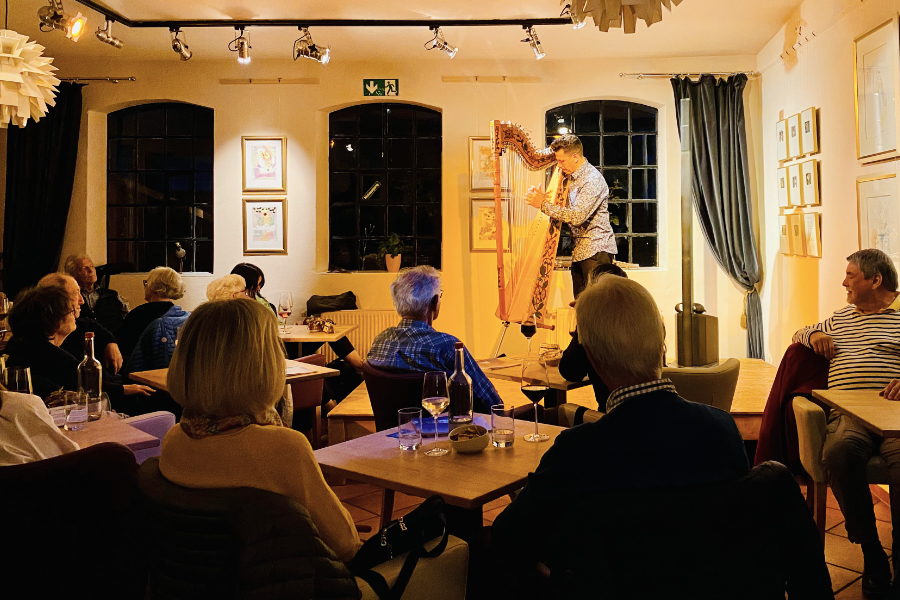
571	415
308	394
713	386
233	543
76	506
389	392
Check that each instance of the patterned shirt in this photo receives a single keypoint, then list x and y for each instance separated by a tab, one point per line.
587	213
867	347
415	346
622	394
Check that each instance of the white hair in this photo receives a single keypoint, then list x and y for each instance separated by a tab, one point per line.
165	283
71	264
224	288
414	289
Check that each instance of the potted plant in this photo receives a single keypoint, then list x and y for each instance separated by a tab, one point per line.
392	248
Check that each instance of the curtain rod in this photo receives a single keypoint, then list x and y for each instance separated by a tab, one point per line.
671	75
106	79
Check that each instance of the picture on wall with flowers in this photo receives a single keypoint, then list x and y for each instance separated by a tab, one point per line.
265	225
263	164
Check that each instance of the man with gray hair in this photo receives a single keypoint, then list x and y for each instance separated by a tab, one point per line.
862	341
414	345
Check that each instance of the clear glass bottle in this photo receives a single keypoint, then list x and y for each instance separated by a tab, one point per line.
460	386
90	378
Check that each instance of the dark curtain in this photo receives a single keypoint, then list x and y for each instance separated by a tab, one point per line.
721	185
40	171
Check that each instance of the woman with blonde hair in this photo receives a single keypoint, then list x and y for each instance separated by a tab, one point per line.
228	372
226	288
162	288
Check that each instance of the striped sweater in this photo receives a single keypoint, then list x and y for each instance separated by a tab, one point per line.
867	347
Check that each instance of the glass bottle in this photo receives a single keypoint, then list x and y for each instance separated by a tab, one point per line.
460	386
90	378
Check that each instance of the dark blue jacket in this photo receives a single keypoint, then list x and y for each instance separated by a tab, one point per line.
156	345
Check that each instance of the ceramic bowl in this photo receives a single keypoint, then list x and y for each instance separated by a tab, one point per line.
476	444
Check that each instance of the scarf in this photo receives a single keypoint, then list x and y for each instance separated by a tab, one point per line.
200	425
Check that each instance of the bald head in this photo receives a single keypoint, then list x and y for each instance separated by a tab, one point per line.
68	283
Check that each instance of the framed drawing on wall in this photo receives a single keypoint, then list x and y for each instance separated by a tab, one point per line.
265	225
809	132
879	214
876	77
793	129
809	175
785	235
263	164
783	198
781	141
812	234
481	165
795	187
483	227
795	228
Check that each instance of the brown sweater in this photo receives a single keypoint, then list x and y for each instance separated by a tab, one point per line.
271	458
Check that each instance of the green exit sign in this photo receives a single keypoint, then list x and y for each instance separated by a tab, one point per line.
381	87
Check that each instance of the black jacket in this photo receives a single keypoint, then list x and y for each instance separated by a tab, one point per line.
74	342
575	365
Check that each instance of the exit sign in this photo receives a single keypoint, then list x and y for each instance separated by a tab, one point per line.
381	87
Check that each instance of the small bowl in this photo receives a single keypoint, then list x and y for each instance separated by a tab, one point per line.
476	444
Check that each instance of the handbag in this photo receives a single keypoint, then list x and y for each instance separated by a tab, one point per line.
406	534
316	305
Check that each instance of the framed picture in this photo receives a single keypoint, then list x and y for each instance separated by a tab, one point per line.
876	77
879	214
481	166
781	141
795	187
809	177
263	163
809	132
784	200
793	130
483	227
812	234
265	225
785	235
795	228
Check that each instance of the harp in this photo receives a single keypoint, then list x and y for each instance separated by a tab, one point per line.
523	273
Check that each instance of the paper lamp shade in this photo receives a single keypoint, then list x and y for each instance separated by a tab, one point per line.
27	84
620	13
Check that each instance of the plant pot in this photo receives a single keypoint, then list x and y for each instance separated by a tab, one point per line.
392	263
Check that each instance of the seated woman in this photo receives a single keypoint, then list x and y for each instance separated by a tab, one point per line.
161	288
228	372
255	280
40	320
27	432
226	288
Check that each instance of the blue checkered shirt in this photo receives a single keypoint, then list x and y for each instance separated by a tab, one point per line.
416	346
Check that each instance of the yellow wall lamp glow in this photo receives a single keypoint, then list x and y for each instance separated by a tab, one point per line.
53	16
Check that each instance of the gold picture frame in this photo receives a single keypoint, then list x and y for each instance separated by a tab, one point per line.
809	174
265	225
482	226
263	165
481	166
876	86
812	234
795	230
878	214
809	132
793	135
781	140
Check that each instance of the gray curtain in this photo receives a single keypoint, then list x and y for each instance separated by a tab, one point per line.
721	187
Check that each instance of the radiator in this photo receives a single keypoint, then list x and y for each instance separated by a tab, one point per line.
369	323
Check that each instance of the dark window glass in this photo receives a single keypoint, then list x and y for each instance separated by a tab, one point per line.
643	217
618	217
160	186
587	117
591	145
559	120
385	177
615	150
615	117
644	251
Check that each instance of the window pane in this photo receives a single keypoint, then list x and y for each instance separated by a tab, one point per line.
203	261
400	120
371	120
617	180
203	187
644	251
615	117
643	217
152	122
371	153
180	120
343	154
644	184
203	122
428	221
151	154
369	258
591	145
400	220
120	188
342	220
428	123
179	153
135	222
372	221
179	187
559	120
343	122
428	252
180	221
203	153
428	153
615	150
643	118
150	255
342	254
618	217
402	154
651	150
401	187
121	125
342	188
566	241
172	258
151	188
203	225
121	154
428	186
122	254
587	117
368	182
622	246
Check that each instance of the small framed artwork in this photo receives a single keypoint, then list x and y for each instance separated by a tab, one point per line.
263	164
781	141
809	175
795	187
785	235
795	227
876	76
793	129
879	214
265	225
784	200
481	166
812	234
809	132
483	225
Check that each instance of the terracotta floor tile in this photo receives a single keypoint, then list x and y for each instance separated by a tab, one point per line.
884	532
839	551
373	523
352	490
370	502
851	592
490	515
402	500
357	514
501	501
833	517
882	512
841	578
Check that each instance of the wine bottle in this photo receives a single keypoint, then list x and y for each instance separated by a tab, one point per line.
460	386
90	378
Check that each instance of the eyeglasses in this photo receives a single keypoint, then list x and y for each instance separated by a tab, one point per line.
145	283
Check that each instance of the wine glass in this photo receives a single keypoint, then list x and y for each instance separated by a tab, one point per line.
435	398
285	307
528	330
535	386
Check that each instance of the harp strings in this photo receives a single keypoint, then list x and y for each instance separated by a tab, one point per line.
516	178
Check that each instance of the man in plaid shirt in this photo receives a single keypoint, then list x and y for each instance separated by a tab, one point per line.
414	345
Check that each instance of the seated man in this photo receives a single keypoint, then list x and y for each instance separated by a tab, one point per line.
414	345
101	303
862	341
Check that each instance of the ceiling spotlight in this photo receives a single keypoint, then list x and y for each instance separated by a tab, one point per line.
577	20
305	48
440	43
104	34
241	45
180	46
52	16
534	42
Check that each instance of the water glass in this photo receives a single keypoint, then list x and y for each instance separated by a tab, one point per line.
76	410
503	425
97	405
17	379
409	430
551	354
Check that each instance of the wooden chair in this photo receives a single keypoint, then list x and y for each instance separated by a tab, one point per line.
307	396
389	392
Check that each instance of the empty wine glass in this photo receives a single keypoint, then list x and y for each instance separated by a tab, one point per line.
285	307
535	386
435	399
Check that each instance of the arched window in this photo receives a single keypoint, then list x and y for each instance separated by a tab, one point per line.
159	187
619	138
384	178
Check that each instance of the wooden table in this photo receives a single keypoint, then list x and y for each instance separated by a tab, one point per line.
866	406
301	333
750	396
112	429
510	369
157	377
468	481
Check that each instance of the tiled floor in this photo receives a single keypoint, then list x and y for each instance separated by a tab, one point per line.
845	560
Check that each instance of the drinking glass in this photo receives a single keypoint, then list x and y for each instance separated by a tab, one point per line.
409	431
76	410
17	379
535	386
285	307
435	399
503	425
528	330
551	354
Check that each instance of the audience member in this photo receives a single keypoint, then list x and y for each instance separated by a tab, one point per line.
27	431
161	288
228	372
226	288
156	345
255	280
414	345
861	341
101	303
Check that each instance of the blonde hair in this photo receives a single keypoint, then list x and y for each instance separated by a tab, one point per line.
165	283
620	325
224	288
229	359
